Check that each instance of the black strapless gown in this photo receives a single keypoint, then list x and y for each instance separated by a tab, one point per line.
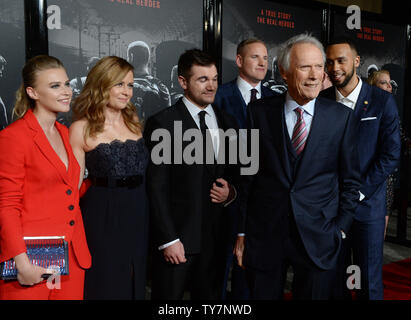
116	222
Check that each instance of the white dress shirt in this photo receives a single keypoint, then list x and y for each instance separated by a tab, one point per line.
245	89
351	100
210	120
291	116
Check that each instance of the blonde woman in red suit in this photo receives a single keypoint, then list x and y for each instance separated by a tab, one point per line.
39	178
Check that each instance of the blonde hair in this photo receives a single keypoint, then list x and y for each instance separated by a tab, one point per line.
94	97
372	79
29	74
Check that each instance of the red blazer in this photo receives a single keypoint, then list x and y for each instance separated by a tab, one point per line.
38	196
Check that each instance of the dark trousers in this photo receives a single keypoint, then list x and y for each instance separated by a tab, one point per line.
363	248
309	282
368	246
202	275
239	286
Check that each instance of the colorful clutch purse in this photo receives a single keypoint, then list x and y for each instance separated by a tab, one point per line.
45	252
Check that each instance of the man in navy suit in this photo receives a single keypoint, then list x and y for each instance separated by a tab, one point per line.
252	63
299	205
378	140
233	97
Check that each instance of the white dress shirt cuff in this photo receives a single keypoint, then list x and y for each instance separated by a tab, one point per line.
167	244
241	235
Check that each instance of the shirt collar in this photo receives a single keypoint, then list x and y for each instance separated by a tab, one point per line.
194	110
244	86
291	105
353	96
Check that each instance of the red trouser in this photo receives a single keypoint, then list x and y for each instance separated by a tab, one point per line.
71	286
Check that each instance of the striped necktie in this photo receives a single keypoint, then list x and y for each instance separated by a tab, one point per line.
299	133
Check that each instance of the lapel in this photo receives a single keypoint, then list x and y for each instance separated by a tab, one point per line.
278	131
314	137
222	124
185	116
236	99
47	150
363	102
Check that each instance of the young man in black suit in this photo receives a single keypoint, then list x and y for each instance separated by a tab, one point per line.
187	201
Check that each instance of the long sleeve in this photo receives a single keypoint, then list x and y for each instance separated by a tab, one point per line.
246	181
389	150
158	190
12	173
349	176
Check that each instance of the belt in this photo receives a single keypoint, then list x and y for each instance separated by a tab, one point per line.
113	182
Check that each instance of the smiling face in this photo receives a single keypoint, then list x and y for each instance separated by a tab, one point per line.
305	73
51	91
201	86
121	93
342	62
252	63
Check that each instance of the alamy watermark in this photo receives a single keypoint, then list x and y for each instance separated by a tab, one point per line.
169	150
54	280
354	280
54	17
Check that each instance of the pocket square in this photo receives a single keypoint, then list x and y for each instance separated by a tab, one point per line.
369	118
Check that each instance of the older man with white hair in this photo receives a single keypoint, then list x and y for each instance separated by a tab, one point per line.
298	207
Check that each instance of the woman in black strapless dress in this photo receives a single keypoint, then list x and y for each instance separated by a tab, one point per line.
106	139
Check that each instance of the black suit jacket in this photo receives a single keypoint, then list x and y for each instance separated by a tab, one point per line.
322	195
179	194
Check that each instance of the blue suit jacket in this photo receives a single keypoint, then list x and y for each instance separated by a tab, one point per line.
229	99
379	146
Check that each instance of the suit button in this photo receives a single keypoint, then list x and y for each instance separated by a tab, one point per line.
71	207
69	192
72	222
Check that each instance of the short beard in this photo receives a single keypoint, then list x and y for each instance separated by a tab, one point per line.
346	81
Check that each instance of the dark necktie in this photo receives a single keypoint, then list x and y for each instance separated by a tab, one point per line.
253	95
205	132
203	126
300	132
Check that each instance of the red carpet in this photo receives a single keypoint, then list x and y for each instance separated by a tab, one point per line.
397	280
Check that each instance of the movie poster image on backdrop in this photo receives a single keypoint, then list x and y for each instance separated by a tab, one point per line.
12	55
271	22
380	46
151	35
